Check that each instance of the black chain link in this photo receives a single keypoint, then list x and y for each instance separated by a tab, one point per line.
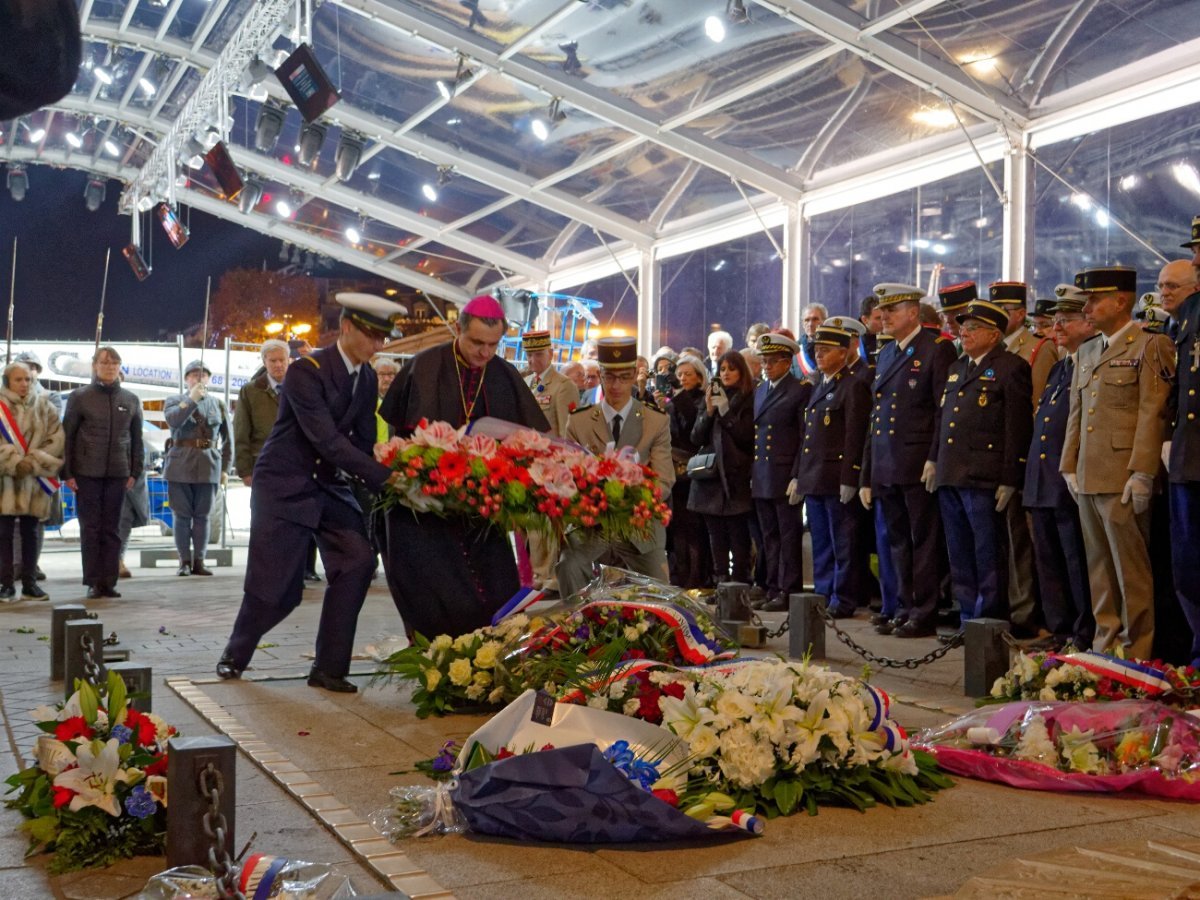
755	619
211	783
91	671
955	640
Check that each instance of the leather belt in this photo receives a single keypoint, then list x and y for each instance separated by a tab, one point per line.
198	443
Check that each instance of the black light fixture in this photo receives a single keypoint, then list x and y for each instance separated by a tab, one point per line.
94	193
571	65
251	195
267	126
18	182
348	154
736	12
445	173
312	137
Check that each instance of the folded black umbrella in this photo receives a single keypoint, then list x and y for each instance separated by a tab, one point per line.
571	795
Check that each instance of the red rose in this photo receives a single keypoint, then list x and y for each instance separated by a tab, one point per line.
547	746
666	796
62	796
143	729
72	729
674	689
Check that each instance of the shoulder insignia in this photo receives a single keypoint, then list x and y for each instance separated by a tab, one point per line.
940	339
311	360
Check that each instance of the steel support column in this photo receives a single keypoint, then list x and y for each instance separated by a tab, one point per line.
795	267
1018	213
649	309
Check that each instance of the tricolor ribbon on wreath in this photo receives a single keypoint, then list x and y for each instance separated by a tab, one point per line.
1124	671
11	433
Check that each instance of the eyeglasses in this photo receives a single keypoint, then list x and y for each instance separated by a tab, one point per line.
1064	321
624	377
1173	286
974	326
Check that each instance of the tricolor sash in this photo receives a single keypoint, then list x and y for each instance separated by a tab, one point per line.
1125	671
11	433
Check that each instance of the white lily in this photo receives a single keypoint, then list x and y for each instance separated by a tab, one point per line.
95	779
52	755
684	715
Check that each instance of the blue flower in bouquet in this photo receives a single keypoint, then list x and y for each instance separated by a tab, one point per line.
639	771
121	733
583	632
444	761
140	804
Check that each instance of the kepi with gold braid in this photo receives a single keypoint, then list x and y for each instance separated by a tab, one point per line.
1009	293
776	343
957	296
616	352
986	312
1107	279
829	336
535	340
892	292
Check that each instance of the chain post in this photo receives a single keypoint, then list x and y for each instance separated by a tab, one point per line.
986	658
138	680
60	614
201	782
83	660
807	638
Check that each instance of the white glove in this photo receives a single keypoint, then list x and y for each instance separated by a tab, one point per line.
1004	494
198	392
864	496
1166	455
1138	488
1072	483
929	476
793	492
846	493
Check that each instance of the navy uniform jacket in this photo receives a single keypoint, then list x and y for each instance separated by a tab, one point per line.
1045	487
778	435
984	422
1184	464
835	430
321	433
864	371
908	386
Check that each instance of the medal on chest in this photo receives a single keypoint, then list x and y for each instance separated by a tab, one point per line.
983	400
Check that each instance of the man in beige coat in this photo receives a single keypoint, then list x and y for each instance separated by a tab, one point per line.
615	422
1111	459
557	397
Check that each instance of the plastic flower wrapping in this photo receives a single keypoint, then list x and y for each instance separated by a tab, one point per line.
259	876
521	480
1134	745
1089	676
620	618
97	789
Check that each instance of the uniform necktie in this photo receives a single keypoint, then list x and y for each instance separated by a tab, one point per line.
353	382
970	368
1103	343
616	428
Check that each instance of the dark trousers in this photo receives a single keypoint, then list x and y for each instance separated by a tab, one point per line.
687	545
1172	631
29	547
729	536
833	526
780	524
914	533
191	507
98	502
1185	531
977	541
889	585
760	555
1062	574
275	579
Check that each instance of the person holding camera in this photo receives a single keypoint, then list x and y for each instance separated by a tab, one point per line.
687	541
725	429
196	464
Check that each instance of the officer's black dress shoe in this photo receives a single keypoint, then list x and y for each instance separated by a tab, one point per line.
198	568
879	618
107	591
313	577
914	630
38	574
841	612
185	568
887	626
778	603
226	669
94	593
7	592
318	679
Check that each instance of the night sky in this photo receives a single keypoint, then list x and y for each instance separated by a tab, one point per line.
60	263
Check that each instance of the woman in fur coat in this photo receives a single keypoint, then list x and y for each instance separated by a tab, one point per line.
31	453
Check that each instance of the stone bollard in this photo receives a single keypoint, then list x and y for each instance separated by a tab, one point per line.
985	656
60	614
732	605
138	683
806	628
187	778
73	653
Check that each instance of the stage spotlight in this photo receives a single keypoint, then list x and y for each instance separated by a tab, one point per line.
312	137
210	137
267	126
252	79
36	135
430	192
111	148
18	182
102	75
147	86
283	208
540	129
353	235
193	153
93	194
74	140
145	204
348	155
715	29
251	195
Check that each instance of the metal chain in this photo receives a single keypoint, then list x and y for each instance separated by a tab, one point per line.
956	640
91	671
211	783
782	630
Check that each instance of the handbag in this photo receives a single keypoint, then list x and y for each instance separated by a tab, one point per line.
702	467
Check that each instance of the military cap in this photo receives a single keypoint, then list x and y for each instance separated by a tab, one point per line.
830	336
1008	293
1151	308
956	296
535	340
371	313
1107	279
772	342
986	312
30	359
196	365
846	323
1045	307
889	293
616	352
1195	234
1070	299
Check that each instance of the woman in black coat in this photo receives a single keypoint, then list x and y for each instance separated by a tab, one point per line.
687	543
725	427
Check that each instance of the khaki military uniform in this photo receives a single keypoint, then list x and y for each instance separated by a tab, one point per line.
557	397
1116	427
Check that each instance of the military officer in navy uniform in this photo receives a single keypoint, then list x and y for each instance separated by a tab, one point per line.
984	420
779	406
1183	456
835	430
1058	549
909	377
325	432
